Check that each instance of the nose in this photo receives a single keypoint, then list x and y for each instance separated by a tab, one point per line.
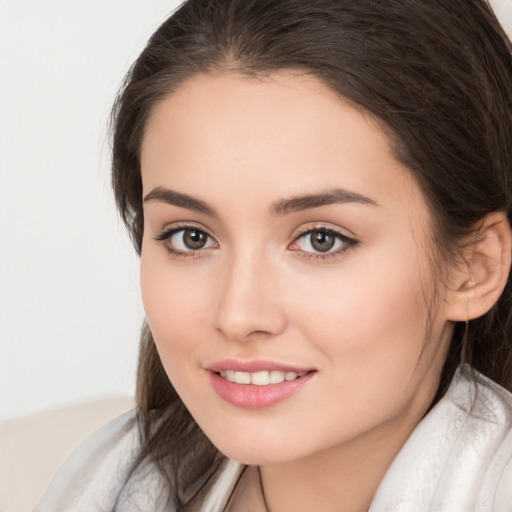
250	305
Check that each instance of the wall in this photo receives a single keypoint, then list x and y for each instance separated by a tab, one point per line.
69	307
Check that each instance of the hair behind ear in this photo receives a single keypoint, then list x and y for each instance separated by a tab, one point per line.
481	304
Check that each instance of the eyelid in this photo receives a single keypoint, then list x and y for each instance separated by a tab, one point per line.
323	226
349	242
169	231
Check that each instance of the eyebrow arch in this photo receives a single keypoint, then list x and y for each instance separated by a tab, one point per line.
310	201
282	207
178	199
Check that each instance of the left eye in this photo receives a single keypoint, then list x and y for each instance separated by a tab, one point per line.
188	239
321	241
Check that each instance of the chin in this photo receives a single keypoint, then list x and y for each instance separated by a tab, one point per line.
258	452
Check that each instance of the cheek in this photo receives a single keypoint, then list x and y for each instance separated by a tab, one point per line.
173	303
175	307
369	320
363	300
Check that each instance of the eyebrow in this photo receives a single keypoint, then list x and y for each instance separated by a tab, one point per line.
281	207
310	201
178	199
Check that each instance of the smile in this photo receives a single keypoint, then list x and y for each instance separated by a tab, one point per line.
261	378
250	386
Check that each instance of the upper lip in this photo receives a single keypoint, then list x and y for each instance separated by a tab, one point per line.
255	365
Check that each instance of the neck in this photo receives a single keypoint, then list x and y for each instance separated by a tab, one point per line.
341	479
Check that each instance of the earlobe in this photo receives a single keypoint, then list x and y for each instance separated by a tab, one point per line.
479	282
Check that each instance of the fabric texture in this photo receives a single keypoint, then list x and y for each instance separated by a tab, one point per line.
32	448
458	459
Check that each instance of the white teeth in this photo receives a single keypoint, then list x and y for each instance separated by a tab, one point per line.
276	377
262	378
228	375
242	377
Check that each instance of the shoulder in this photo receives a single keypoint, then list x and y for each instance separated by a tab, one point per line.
459	457
96	472
489	430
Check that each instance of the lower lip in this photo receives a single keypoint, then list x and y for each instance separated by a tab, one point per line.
250	396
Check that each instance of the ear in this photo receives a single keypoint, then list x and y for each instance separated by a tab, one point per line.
478	283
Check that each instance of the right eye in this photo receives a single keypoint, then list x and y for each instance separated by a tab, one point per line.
183	240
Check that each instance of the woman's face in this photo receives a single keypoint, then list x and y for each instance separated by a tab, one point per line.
283	240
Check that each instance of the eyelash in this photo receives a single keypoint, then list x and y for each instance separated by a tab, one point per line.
167	234
347	242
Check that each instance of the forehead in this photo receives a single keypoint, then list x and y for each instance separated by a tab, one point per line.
269	137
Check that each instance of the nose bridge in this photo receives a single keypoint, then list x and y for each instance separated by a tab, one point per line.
248	304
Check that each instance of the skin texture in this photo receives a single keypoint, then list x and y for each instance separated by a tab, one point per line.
257	290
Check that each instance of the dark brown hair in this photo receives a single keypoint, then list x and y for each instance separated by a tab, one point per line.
438	77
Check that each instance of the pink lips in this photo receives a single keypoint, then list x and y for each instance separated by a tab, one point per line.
250	396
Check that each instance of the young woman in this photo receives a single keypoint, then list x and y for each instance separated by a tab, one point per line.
320	194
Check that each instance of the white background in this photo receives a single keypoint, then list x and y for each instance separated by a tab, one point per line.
69	304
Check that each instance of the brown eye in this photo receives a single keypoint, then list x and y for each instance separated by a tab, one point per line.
194	239
322	241
186	240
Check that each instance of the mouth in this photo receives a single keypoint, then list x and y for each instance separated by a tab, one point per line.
258	384
260	378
